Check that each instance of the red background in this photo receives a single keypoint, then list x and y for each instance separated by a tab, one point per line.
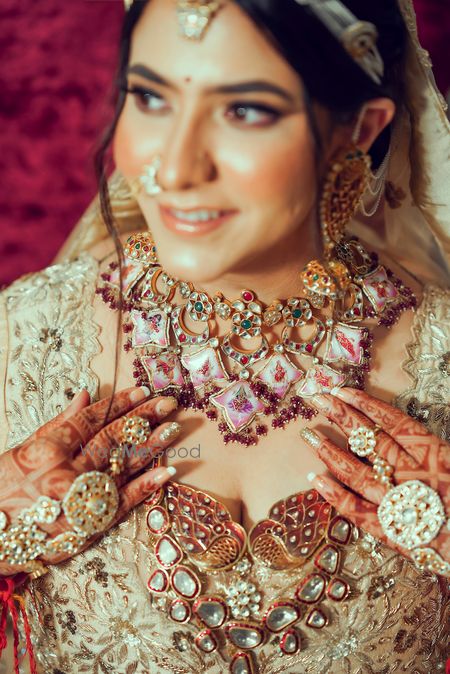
56	73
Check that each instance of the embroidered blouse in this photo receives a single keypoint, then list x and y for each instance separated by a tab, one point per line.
177	586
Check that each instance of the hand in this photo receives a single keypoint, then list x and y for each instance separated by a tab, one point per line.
75	442
413	452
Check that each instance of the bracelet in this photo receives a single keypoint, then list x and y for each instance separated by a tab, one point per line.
427	559
90	505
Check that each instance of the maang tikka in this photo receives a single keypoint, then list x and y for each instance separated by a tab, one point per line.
194	16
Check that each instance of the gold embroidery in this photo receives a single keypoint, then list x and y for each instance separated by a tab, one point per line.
427	398
94	614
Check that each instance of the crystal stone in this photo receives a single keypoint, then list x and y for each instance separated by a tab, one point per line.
179	610
311	588
157	520
241	664
210	611
244	636
290	642
328	559
339	530
337	590
279	617
185	582
168	552
158	581
316	619
206	641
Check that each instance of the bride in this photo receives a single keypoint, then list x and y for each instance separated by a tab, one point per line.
257	301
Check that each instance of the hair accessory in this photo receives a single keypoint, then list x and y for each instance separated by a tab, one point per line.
411	514
357	37
344	185
194	17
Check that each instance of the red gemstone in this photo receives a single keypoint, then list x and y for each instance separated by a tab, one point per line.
308	348
356	311
244	360
182	338
247	296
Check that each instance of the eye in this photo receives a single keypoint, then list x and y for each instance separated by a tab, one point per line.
252	114
146	98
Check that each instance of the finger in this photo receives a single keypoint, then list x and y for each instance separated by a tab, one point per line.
348	419
410	434
137	490
81	400
359	511
345	466
79	428
97	452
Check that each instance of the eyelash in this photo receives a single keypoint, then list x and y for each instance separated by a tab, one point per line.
142	96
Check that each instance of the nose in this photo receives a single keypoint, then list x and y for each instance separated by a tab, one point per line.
186	161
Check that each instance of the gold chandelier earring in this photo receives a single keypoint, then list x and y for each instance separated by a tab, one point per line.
344	184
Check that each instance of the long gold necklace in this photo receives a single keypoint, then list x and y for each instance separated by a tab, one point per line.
277	378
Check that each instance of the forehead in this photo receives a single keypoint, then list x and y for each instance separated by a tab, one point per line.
232	49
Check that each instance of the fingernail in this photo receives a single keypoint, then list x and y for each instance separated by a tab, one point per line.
310	437
339	393
139	394
310	477
76	396
166	405
162	474
320	402
170	431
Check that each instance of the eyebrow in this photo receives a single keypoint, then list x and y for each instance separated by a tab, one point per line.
237	88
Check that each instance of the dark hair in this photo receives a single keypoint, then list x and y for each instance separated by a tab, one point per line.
329	75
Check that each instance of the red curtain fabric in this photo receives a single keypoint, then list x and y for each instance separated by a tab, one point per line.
56	73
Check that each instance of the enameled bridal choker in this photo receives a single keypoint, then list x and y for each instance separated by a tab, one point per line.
323	343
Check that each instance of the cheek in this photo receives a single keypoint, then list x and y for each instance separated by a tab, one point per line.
132	145
275	173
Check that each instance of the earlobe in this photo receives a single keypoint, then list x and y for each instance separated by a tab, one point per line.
375	115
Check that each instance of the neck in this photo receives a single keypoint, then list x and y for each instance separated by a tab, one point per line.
275	274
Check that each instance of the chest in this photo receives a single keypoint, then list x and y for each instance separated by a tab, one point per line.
248	480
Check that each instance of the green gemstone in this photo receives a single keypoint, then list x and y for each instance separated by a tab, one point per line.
246	324
297	313
315	277
137	246
198	306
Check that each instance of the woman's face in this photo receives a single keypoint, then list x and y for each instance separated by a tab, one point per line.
227	117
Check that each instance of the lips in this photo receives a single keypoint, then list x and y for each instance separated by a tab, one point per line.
194	221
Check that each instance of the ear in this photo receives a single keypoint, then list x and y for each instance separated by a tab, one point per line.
373	117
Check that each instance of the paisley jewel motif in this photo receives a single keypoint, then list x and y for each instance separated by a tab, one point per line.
320	379
379	289
239	404
294	530
280	374
153	329
204	366
203	528
346	342
182	334
163	370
